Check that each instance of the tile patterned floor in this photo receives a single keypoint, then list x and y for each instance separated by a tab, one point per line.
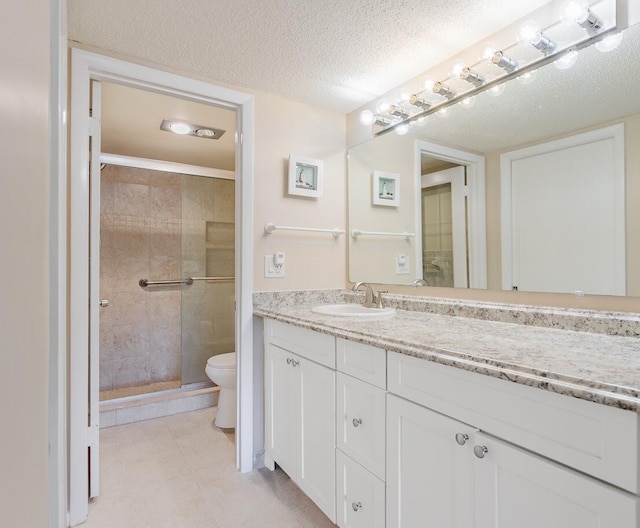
179	472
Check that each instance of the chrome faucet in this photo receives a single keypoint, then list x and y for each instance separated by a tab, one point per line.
370	297
419	282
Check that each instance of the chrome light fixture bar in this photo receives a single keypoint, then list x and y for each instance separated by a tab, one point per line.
512	71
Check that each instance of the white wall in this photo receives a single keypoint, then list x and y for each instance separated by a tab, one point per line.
24	266
313	261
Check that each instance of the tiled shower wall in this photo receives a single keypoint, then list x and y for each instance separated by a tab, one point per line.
142	343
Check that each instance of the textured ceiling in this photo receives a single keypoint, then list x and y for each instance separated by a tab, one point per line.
336	54
130	126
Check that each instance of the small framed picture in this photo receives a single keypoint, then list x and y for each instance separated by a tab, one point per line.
386	188
305	177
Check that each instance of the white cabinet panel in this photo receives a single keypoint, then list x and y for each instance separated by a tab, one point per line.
280	409
315	346
360	417
516	488
317	433
360	495
430	480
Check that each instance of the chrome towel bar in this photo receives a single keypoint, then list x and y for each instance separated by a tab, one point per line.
143	283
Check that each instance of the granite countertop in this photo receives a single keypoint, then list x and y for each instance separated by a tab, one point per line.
596	367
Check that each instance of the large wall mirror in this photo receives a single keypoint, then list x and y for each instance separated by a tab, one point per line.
535	189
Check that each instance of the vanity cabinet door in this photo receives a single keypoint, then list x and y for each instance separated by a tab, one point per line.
430	468
280	410
316	462
515	488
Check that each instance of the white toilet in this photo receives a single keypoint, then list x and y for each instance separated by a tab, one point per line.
221	369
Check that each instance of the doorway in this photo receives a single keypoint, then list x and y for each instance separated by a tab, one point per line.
85	68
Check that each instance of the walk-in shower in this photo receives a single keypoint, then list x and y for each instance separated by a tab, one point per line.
167	269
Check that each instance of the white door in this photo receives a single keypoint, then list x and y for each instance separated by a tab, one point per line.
518	489
317	433
280	402
563	215
95	304
444	227
430	479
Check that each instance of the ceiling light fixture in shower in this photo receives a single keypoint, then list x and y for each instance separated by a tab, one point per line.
188	129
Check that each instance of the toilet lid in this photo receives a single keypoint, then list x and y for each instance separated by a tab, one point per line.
223	361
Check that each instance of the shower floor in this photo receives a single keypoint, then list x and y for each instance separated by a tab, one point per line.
125	392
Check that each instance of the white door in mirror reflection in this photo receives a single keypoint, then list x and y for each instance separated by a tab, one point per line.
567	213
444	239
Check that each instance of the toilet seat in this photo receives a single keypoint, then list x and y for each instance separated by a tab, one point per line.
223	361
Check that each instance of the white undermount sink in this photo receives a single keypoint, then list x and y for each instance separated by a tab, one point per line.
352	310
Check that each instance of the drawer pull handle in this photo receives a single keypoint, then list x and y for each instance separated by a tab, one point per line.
356	422
480	451
461	438
356	506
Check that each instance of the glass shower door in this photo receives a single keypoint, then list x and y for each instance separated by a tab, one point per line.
208	257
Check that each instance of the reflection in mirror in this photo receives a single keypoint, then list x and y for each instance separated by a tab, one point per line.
600	90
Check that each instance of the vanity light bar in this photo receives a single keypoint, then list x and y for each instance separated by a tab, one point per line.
529	34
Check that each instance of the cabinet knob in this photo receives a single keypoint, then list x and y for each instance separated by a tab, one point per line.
356	422
462	438
480	451
289	360
104	303
295	363
356	506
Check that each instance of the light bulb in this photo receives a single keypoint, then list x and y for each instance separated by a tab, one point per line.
528	32
382	107
496	90
429	84
487	51
404	97
456	68
180	128
610	42
567	60
367	118
572	11
468	102
401	130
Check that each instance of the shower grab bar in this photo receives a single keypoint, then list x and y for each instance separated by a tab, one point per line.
143	283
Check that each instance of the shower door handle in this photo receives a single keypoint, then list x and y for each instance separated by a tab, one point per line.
104	303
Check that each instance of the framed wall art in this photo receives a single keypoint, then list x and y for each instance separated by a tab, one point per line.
386	188
305	177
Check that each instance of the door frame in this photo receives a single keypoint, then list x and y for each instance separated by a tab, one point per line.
87	66
454	176
615	132
476	217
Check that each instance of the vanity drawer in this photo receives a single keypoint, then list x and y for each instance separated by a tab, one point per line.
312	345
360	427
364	362
360	495
596	439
